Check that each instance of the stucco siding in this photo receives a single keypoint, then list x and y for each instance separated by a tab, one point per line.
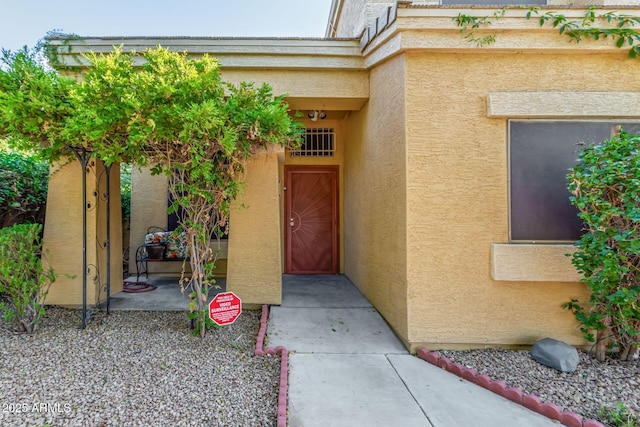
457	197
375	196
320	84
63	233
148	209
254	263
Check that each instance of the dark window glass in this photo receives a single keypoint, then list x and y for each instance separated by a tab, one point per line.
173	218
541	154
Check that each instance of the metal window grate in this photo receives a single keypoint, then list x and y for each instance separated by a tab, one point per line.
318	142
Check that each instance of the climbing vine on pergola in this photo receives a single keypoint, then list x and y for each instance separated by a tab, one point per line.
171	113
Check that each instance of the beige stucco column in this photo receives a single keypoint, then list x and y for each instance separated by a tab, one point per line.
148	209
254	266
63	233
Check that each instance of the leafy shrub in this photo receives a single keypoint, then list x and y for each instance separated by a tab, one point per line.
23	189
605	187
125	191
24	281
619	416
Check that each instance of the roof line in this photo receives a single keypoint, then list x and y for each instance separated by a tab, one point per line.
147	37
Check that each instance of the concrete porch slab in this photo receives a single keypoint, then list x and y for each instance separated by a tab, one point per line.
166	296
332	330
321	291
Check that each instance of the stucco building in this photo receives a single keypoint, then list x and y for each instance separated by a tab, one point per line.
432	174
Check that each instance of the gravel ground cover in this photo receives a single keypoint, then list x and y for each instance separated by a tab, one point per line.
585	391
136	369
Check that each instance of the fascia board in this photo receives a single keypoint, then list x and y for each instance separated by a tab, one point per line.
433	29
242	53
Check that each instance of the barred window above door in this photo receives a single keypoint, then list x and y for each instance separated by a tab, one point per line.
318	142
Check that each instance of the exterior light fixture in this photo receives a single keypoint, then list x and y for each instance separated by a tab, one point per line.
317	114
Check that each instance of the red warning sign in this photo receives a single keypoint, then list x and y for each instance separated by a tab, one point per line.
225	308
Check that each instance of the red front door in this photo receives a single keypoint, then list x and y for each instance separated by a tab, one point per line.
311	220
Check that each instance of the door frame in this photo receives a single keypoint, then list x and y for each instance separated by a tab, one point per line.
333	169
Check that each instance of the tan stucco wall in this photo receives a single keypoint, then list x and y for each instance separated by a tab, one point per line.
254	265
63	233
149	197
375	196
458	202
322	85
536	262
148	209
425	203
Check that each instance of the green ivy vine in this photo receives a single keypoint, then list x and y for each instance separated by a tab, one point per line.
468	24
622	29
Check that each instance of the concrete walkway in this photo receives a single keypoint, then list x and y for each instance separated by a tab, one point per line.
348	368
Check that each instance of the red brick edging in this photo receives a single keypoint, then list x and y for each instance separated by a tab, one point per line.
284	365
514	394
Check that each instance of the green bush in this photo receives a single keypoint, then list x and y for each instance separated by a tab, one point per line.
605	187
24	281
125	191
619	416
23	189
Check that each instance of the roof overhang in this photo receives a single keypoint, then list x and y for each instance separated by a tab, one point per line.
409	27
289	53
312	72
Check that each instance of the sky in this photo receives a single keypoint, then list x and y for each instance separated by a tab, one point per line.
24	22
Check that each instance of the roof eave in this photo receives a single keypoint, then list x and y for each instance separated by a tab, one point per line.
234	52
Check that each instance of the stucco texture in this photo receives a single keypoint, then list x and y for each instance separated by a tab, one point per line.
255	252
375	210
149	196
457	196
321	85
63	233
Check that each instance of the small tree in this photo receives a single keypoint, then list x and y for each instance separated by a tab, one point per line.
605	187
174	114
35	103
